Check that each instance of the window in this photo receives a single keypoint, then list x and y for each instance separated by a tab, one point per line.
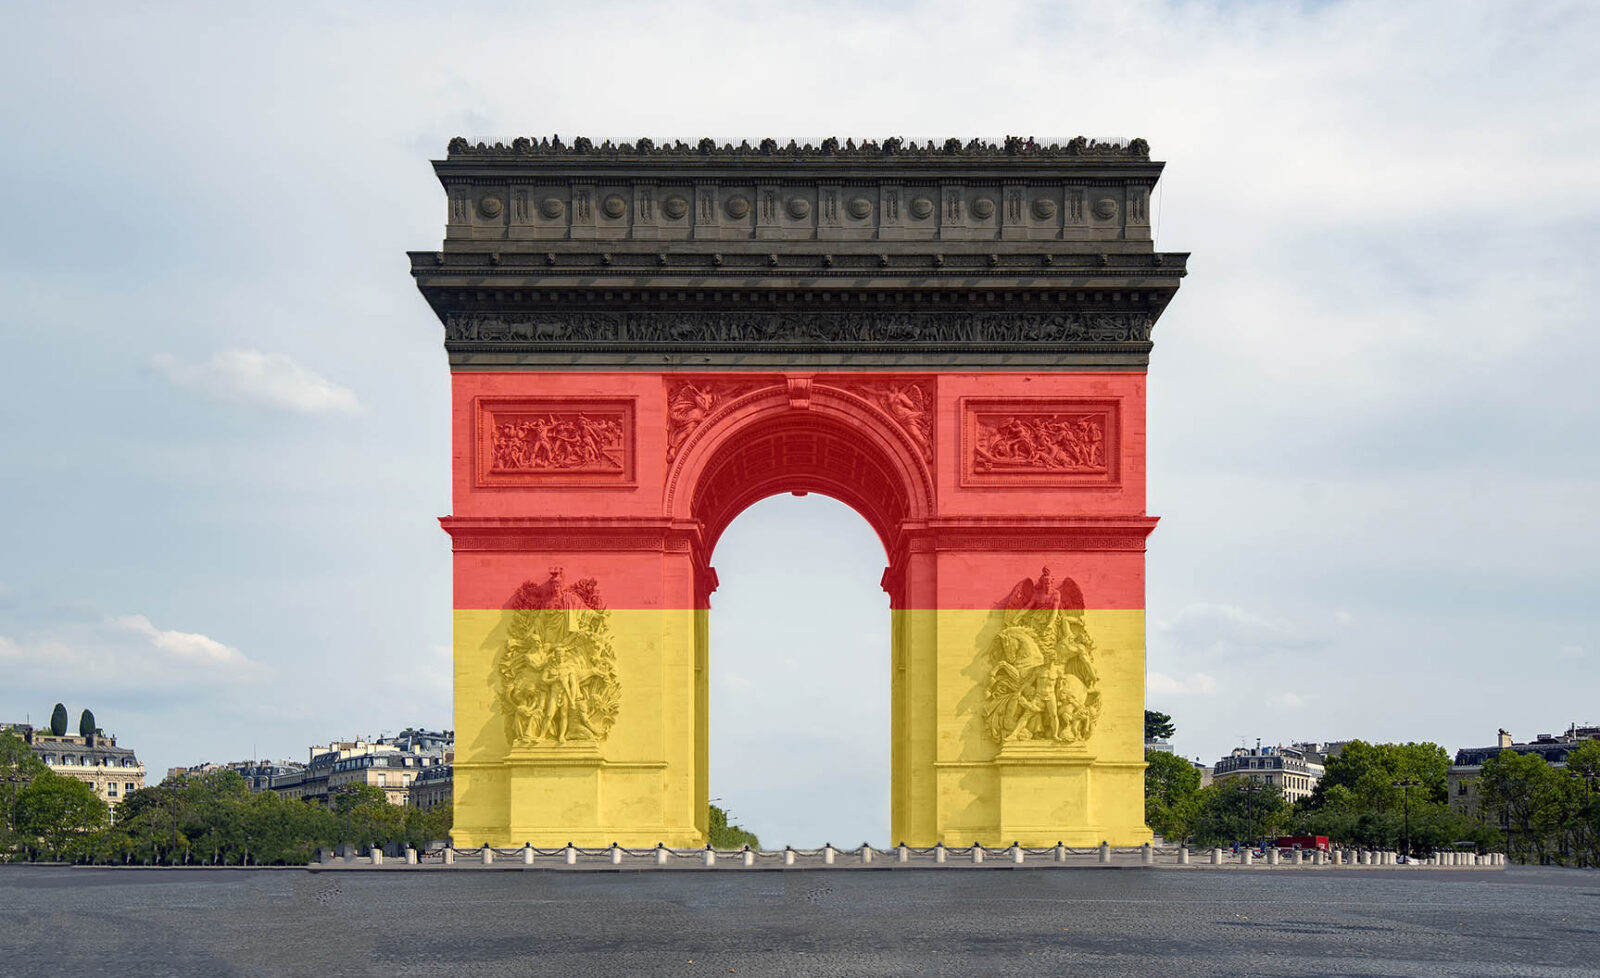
111	789
1461	787
129	786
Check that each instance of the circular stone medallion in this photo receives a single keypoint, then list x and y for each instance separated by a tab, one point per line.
799	208
490	206
737	207
983	208
1044	208
859	208
1105	208
675	207
552	207
614	206
922	208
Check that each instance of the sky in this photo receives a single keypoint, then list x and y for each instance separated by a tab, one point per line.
224	406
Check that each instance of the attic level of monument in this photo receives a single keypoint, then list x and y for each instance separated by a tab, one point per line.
858	256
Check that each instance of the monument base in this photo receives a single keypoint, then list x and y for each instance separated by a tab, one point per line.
1048	795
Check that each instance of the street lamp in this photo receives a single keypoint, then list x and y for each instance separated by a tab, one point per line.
1250	788
1406	784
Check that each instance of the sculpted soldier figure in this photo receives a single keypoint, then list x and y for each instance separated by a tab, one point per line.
556	673
1042	680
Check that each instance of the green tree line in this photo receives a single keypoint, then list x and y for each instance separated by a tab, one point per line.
1526	808
210	819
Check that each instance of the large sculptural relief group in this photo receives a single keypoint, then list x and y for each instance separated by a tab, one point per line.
1042	685
556	674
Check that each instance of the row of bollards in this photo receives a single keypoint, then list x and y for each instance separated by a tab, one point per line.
1016	855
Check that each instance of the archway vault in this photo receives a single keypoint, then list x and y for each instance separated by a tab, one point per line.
645	341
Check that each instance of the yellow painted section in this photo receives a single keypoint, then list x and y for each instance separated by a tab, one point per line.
646	781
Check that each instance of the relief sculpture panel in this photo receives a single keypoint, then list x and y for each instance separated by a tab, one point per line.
533	442
556	674
1040	442
1043	685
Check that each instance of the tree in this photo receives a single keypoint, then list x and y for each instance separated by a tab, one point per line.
1530	799
1158	726
60	811
1170	785
18	766
58	720
86	725
725	836
1369	772
1226	814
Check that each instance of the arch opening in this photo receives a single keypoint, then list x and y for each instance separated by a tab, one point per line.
799	676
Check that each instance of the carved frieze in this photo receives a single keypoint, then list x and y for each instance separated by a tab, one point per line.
1039	441
1043	686
554	441
766	328
556	675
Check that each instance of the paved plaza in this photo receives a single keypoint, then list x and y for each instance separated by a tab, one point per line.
1105	922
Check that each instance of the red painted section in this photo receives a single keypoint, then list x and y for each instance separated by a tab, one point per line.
630	477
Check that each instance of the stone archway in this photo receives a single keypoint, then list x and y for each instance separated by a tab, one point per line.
645	341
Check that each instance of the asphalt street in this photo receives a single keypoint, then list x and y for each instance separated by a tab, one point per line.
124	923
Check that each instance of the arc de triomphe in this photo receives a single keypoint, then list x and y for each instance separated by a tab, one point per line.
645	339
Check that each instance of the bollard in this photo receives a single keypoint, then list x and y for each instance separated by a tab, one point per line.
902	854
616	855
938	853
1147	855
1274	857
1017	855
827	854
866	854
661	854
527	854
377	856
1299	857
1061	852
749	857
1183	855
487	855
572	855
449	856
411	856
1105	852
977	853
711	856
788	856
1216	857
1248	857
1319	858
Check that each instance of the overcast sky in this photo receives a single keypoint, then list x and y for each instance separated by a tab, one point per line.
1373	414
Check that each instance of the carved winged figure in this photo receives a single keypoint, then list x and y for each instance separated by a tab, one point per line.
687	407
556	675
1042	679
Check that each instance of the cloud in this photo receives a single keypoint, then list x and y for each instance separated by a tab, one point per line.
1228	632
1565	652
274	379
1290	700
187	646
1198	683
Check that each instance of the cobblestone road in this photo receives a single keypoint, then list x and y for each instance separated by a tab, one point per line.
1107	923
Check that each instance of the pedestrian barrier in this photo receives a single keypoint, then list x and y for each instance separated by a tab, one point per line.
865	856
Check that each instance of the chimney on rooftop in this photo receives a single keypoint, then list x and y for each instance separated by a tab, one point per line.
1505	738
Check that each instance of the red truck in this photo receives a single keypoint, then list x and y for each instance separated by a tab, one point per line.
1306	842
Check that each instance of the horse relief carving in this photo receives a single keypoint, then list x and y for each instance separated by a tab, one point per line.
1043	687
